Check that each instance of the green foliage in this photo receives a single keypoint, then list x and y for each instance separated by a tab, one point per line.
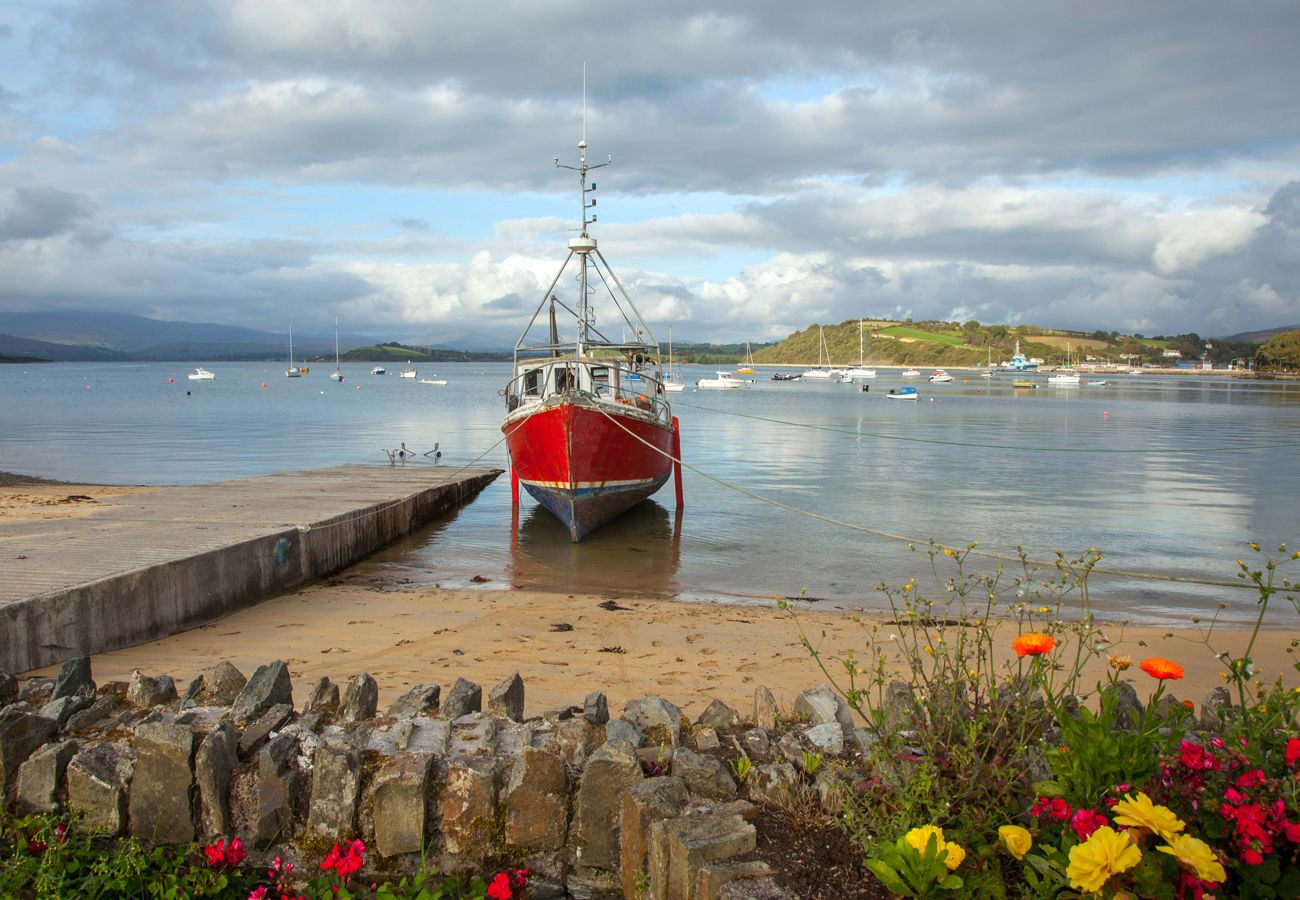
1280	352
742	767
911	873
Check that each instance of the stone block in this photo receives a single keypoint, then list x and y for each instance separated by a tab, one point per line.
621	730
595	709
537	801
574	741
261	730
422	735
277	784
506	700
656	718
643	804
74	679
472	735
469	807
92	715
756	743
360	699
145	691
713	876
821	705
99	779
215	759
335	791
38	786
8	688
694	841
64	708
755	889
399	790
764	708
598	804
827	738
719	716
269	686
421	700
161	803
21	732
465	697
705	738
773	783
323	697
704	775
222	684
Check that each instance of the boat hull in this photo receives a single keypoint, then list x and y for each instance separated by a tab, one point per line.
579	462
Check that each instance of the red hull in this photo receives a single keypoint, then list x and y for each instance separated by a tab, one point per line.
581	464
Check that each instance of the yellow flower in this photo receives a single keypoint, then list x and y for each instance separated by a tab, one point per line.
919	838
1196	856
1105	853
1142	813
1017	840
1119	663
956	853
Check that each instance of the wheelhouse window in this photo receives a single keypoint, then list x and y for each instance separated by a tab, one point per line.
532	382
564	380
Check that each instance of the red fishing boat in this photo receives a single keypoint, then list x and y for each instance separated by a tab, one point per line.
587	426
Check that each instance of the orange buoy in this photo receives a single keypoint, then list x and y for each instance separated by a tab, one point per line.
263	384
171	380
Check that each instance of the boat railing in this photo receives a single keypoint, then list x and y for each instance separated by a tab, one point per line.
649	398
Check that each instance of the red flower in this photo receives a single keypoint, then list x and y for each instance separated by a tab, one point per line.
1292	751
1033	643
499	889
1197	758
1252	857
35	847
1055	808
1160	668
1085	822
1251	778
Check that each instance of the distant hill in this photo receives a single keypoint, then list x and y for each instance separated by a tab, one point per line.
19	346
393	353
1261	337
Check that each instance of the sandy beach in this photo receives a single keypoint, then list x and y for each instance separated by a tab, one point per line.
563	645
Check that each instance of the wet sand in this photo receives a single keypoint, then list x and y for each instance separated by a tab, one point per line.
32	499
687	652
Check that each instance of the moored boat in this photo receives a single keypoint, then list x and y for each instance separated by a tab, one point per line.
724	381
786	376
939	376
201	374
906	392
586	439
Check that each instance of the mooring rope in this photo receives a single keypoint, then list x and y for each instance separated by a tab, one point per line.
888	535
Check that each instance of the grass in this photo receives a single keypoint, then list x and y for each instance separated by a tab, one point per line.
950	338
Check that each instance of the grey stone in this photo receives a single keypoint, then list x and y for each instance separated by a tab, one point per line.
160	804
597	804
595	709
821	705
764	708
469	807
8	688
222	684
704	775
689	843
791	749
464	697
270	686
277	784
261	730
574	741
421	700
1128	709
645	803
472	735
719	716
145	691
537	801
98	781
831	789
40	778
399	808
773	783
64	708
1216	709
756	743
213	763
97	712
422	735
659	721
21	732
360	699
621	730
335	790
507	699
74	679
705	738
324	696
827	738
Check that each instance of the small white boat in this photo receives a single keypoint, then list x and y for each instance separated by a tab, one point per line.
911	373
433	381
725	381
337	374
1064	379
673	383
408	372
823	360
860	371
378	370
293	371
939	376
906	392
1095	382
201	374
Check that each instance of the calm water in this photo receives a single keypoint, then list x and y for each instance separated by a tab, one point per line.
1170	476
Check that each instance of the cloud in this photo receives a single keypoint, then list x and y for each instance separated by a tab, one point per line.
32	213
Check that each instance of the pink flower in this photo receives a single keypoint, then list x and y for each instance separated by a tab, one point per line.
1292	751
257	894
1085	822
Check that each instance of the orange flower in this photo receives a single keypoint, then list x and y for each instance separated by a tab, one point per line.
1033	644
1161	668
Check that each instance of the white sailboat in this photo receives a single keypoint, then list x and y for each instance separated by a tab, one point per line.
673	384
337	374
823	359
860	371
746	368
293	371
1068	378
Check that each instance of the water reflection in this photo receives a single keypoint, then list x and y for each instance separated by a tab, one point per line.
637	554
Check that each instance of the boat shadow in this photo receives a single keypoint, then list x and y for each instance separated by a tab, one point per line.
637	554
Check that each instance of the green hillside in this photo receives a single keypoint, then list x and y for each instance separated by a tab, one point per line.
393	352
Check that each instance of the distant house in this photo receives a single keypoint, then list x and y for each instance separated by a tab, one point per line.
1172	354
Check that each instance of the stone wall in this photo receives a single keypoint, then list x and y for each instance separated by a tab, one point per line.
643	804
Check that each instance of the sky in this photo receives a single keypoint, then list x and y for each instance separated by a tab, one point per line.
1110	165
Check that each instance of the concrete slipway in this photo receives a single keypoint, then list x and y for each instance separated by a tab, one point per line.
151	564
